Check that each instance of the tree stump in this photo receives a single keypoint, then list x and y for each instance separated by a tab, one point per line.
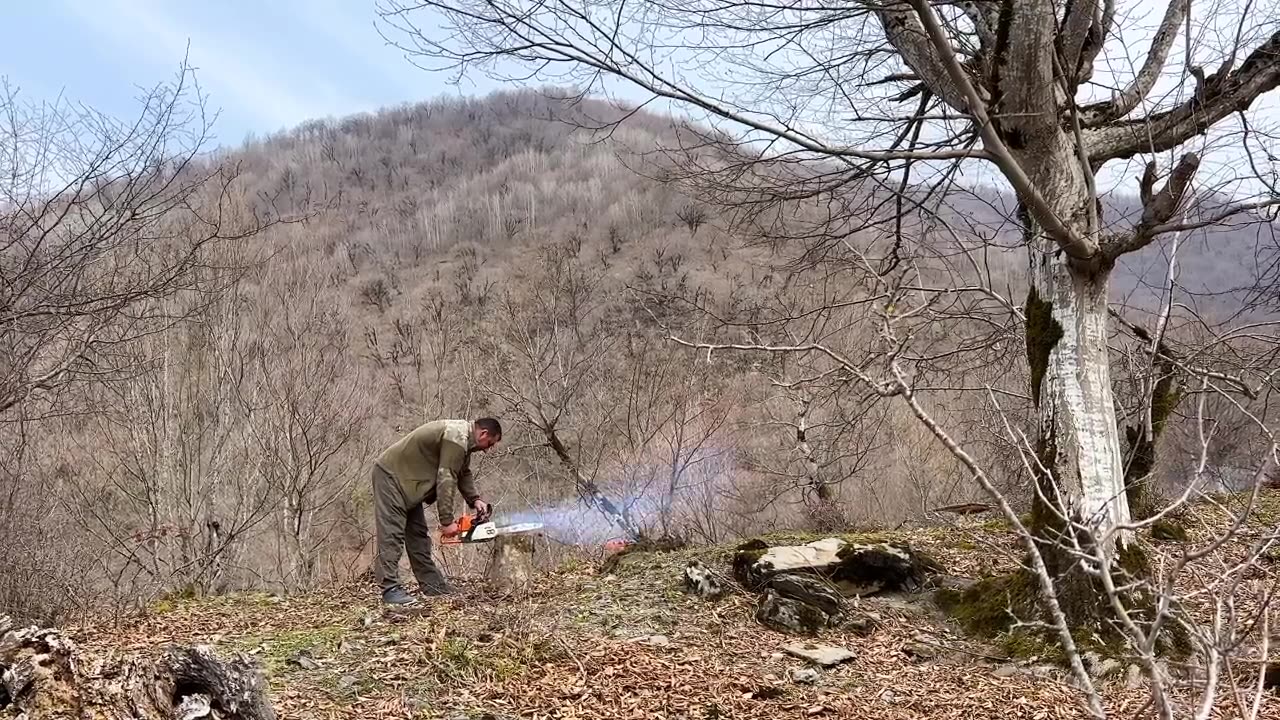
44	674
510	568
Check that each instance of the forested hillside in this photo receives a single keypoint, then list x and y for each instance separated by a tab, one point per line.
490	256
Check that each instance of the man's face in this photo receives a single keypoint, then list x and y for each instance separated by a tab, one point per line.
484	440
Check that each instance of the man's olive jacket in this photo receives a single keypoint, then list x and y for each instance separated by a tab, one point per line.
434	459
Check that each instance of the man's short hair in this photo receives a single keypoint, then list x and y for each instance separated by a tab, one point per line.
491	424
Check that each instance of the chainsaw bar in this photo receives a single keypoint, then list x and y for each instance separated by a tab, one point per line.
519	528
487	531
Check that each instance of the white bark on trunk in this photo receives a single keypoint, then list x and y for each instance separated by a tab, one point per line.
1077	409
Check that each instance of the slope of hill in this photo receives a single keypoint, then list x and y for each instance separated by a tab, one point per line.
630	643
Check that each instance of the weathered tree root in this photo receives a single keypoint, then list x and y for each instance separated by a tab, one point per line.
44	674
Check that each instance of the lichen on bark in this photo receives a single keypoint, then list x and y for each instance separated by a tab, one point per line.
1081	597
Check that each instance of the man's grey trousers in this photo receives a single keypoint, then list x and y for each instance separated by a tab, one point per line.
397	525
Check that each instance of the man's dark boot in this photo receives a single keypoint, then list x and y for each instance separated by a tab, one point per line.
397	596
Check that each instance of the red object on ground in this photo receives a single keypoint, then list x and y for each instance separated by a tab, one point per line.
613	546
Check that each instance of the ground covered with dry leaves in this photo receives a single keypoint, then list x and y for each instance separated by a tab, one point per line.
626	644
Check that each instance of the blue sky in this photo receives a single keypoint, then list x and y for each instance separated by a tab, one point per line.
264	65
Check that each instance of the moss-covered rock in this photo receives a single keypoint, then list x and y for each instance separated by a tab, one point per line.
853	568
745	558
787	615
992	605
810	590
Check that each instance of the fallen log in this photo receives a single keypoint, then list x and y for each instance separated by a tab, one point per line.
44	674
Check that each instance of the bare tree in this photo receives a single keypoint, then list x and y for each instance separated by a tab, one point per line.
1003	85
99	219
111	231
170	483
547	355
306	411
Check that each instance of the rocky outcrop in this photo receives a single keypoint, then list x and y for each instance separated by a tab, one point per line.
789	615
803	588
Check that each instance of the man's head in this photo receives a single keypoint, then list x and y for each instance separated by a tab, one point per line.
486	432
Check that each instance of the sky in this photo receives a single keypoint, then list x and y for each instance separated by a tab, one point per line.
271	65
265	66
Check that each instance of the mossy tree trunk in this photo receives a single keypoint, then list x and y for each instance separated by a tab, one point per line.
1080	483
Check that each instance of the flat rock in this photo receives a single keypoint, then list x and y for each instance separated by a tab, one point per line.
852	569
653	640
819	653
921	650
817	554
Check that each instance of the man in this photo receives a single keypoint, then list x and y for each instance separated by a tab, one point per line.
429	465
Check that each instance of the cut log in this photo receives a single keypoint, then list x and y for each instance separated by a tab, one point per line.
44	674
510	568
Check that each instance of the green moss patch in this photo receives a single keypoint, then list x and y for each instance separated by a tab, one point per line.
993	605
1006	609
1043	334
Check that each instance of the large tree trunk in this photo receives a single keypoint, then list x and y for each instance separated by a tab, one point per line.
1081	495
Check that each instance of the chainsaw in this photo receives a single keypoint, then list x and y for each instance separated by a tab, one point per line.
470	531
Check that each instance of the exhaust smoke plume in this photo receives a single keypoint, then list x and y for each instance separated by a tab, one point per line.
696	490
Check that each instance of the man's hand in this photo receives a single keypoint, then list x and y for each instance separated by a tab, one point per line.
449	530
483	510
